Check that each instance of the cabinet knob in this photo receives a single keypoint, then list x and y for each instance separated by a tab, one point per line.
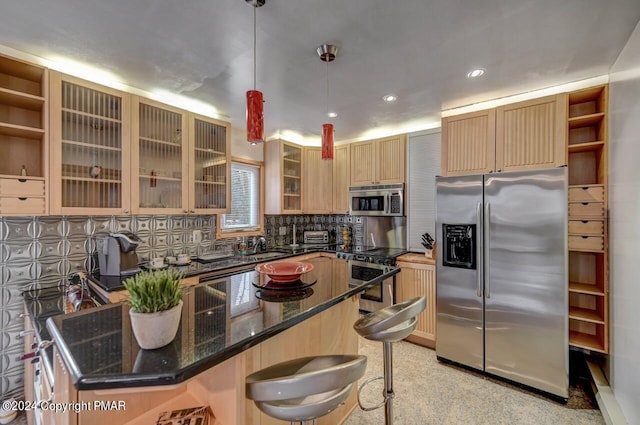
126	211
185	211
192	211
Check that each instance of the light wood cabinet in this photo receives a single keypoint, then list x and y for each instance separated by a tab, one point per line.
23	138
182	161
381	161
587	206
317	182
159	158
418	278
531	134
341	180
518	136
90	148
209	165
283	175
469	143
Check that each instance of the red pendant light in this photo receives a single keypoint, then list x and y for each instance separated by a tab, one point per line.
327	53
327	141
255	117
255	102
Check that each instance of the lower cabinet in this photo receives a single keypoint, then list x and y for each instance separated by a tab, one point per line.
417	278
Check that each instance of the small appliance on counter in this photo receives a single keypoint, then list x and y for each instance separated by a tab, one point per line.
117	254
315	237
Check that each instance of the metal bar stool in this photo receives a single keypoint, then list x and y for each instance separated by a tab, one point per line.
304	389
390	324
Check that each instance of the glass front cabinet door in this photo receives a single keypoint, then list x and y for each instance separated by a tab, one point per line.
90	158
210	167
159	158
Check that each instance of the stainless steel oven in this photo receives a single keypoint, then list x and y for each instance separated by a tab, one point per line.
378	296
381	200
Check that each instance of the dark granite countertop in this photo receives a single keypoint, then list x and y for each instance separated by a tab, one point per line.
220	318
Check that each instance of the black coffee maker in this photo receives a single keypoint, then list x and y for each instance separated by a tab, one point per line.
117	254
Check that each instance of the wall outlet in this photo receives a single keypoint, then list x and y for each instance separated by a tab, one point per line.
283	230
197	236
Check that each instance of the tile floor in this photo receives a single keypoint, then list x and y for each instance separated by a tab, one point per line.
431	393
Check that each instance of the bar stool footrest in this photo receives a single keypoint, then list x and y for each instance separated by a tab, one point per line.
387	396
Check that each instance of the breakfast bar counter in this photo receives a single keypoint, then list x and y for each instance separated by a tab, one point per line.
230	327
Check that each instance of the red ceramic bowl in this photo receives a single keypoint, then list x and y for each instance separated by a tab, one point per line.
284	271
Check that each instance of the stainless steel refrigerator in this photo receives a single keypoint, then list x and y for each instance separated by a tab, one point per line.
502	275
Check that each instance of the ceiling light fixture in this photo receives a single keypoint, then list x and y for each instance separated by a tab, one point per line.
390	98
332	114
476	73
255	102
327	53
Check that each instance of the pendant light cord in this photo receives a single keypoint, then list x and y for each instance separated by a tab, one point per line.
254	47
327	102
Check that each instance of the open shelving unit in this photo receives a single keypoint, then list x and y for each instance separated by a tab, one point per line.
23	138
588	237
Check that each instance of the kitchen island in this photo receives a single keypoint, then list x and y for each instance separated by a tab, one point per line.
230	327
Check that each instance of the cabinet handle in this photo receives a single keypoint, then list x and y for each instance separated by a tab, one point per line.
584	203
584	237
22	180
22	198
585	221
585	188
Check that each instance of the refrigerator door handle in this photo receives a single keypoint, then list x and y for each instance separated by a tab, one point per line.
487	255
479	249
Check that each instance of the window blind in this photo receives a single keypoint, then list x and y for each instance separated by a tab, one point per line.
245	198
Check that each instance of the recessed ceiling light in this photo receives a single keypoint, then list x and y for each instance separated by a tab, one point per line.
332	114
390	98
476	73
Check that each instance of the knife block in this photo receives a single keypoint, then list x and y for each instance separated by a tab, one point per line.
430	253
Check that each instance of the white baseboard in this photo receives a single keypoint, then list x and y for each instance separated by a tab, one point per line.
607	402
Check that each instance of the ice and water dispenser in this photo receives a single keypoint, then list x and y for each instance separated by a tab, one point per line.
459	247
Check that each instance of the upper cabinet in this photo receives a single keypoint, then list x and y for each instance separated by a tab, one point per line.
23	138
209	165
114	153
523	135
159	158
341	179
90	148
317	182
283	175
469	143
380	161
532	134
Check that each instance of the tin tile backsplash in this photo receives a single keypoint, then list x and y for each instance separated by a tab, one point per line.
38	252
42	251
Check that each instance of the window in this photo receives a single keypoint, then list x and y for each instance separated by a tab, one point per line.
246	214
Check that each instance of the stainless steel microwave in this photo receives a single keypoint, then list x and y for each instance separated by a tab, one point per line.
381	200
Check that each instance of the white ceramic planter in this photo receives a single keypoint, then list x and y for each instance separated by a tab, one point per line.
155	330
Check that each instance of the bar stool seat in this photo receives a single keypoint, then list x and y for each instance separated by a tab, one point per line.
393	323
389	325
307	388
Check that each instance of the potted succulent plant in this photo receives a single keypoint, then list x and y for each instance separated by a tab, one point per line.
156	306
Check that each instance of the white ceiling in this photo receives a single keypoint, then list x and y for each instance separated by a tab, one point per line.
419	50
